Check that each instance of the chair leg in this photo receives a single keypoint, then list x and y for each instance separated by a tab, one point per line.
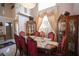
16	51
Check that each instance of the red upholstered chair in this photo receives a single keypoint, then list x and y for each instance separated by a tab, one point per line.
51	36
22	34
63	44
23	45
61	49
16	37
32	47
36	33
42	34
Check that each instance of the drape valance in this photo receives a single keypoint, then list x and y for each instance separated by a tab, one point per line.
52	18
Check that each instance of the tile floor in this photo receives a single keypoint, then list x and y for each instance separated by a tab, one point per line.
10	50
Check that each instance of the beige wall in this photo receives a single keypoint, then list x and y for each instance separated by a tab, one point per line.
76	8
7	15
23	16
70	7
62	7
4	20
34	11
22	23
7	11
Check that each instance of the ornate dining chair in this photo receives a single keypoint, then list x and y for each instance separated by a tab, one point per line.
32	47
63	44
16	37
22	33
42	34
51	36
23	46
36	33
61	48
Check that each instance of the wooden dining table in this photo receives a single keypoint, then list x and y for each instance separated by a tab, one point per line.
45	44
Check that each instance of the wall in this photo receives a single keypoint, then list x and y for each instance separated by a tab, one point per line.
76	9
34	11
7	11
62	7
71	7
22	23
4	20
7	15
23	16
3	28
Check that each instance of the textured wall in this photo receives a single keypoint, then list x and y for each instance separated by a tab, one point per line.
7	11
76	8
62	7
22	23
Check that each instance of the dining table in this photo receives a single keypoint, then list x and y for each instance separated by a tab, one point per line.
45	44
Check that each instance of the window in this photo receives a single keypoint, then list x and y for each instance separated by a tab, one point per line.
45	26
25	10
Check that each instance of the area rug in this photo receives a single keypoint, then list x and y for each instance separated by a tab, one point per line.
3	45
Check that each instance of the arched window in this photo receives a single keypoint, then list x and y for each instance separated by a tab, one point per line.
45	26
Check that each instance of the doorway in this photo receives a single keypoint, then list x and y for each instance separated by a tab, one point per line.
8	30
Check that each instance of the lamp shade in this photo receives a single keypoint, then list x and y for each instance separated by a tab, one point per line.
28	5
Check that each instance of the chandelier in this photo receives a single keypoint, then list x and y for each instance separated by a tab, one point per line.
28	5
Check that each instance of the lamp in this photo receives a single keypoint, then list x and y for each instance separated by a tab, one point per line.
28	5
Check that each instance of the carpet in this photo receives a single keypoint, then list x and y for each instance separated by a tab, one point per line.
3	45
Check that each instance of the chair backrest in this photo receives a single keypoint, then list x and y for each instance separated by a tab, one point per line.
63	41
51	36
63	45
23	44
32	47
42	34
16	37
36	33
22	34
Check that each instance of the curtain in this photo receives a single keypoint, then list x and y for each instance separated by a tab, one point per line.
52	18
38	22
52	21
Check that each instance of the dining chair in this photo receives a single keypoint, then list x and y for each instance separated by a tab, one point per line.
51	36
22	33
63	44
32	47
42	34
37	34
23	46
61	48
16	37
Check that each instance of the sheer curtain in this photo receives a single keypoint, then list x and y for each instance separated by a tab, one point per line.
39	21
52	21
45	26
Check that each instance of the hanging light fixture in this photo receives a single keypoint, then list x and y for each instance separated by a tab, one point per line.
28	5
